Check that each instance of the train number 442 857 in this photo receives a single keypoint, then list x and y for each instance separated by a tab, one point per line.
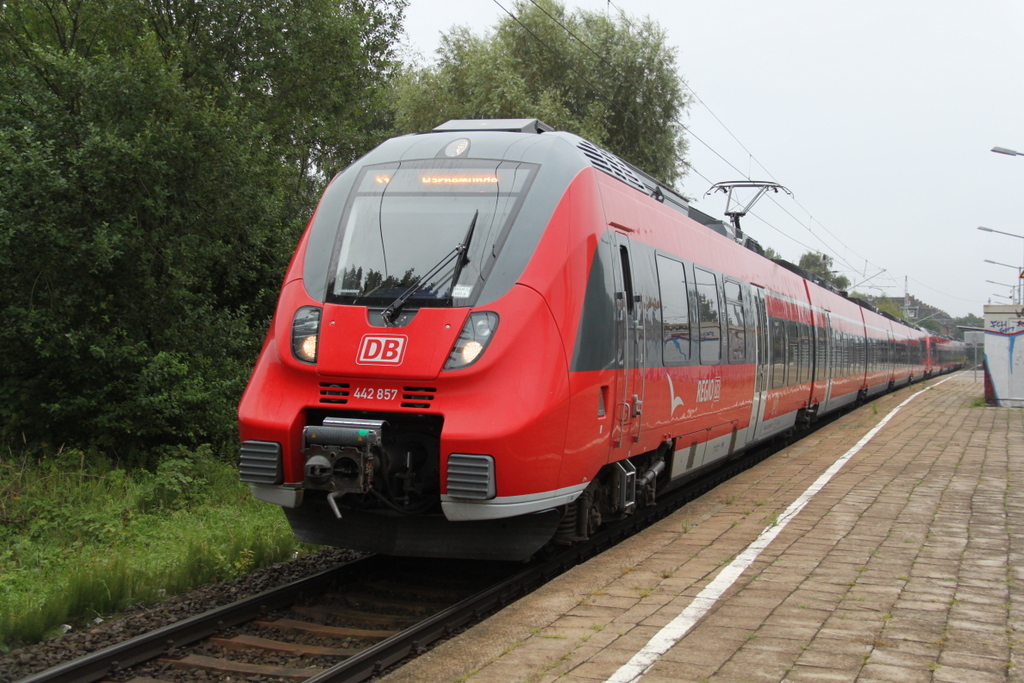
375	394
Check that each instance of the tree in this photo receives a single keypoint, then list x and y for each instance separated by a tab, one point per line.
613	81
887	305
970	320
157	174
821	265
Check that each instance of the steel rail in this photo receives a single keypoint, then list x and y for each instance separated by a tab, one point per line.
96	665
416	638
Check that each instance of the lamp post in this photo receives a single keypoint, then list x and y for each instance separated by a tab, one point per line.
1020	272
1010	152
1013	288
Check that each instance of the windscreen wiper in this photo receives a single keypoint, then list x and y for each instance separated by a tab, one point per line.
464	256
389	314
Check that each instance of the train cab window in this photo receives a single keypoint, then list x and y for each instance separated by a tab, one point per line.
708	316
403	220
675	312
778	354
736	323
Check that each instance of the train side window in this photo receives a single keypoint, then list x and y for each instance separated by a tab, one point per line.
793	359
851	352
627	279
675	312
847	358
841	360
708	316
805	353
778	354
736	322
822	359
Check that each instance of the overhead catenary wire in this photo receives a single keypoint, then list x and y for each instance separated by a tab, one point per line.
750	154
685	127
697	97
834	253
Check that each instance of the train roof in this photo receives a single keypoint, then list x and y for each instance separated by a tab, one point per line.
623	171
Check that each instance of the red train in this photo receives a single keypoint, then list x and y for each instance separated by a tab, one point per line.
494	336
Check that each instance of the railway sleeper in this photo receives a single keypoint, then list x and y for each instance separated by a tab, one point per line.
225	666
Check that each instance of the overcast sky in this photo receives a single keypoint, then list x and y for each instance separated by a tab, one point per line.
877	114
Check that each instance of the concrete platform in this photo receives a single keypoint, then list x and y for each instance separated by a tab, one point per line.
905	565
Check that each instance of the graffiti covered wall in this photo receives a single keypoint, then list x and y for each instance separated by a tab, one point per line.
1004	356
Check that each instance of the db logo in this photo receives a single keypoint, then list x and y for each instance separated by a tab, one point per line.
375	350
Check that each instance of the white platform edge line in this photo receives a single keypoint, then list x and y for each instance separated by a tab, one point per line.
671	633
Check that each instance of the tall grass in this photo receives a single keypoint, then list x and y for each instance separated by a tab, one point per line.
79	538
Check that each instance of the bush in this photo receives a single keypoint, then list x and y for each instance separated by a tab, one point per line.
159	163
80	539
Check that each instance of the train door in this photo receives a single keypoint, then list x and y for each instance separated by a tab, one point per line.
891	357
630	343
762	361
826	361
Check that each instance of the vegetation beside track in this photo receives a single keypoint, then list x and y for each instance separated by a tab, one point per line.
80	538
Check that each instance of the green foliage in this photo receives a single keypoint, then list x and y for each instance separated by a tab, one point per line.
79	538
159	162
770	253
889	306
821	265
618	87
969	320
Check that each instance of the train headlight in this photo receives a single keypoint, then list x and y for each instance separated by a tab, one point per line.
473	340
306	333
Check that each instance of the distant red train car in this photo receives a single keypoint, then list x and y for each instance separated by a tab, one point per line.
494	336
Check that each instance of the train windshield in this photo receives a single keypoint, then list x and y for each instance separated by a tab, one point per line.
404	218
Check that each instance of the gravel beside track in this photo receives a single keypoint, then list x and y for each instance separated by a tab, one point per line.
138	620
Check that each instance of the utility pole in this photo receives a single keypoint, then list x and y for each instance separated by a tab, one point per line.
906	297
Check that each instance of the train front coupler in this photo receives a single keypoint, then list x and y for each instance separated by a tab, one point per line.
341	456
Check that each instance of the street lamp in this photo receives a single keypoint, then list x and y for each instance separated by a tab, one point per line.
1002	284
1007	265
1009	234
1003	150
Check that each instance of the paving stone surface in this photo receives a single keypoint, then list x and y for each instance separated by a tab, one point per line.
907	566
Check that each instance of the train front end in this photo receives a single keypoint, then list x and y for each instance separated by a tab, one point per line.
412	394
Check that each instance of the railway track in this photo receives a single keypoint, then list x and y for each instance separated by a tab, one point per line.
351	622
345	624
